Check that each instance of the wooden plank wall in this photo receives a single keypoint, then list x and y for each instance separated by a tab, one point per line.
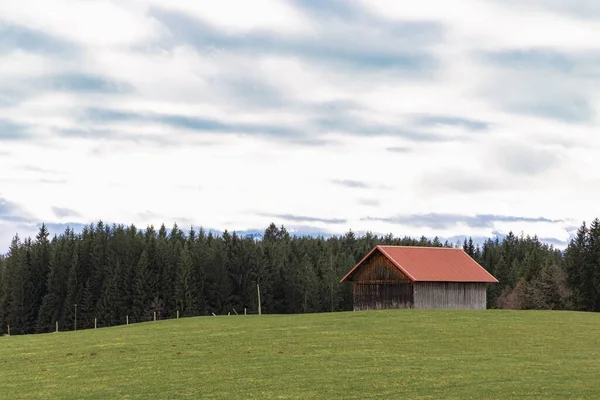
453	295
382	296
378	284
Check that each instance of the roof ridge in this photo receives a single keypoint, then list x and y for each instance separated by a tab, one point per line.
420	247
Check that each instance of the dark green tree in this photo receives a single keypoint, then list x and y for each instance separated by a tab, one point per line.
186	289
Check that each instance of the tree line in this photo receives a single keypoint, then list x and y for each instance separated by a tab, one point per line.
111	273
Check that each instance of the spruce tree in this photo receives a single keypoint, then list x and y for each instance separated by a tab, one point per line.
40	268
8	302
186	292
74	292
575	264
52	304
142	289
22	291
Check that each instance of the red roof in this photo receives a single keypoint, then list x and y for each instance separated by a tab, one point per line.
431	264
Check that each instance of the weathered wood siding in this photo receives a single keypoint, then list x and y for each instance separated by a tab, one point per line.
378	284
454	295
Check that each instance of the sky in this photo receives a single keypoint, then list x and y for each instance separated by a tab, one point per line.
448	118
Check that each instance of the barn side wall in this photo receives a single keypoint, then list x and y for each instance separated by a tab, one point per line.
452	295
378	284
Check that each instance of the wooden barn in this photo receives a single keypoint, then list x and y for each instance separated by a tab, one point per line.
418	277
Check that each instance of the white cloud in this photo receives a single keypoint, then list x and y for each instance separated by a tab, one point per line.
495	24
221	137
90	23
242	17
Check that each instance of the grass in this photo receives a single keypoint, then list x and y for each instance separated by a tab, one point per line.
357	355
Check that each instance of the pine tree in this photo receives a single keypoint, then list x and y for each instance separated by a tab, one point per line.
40	268
22	291
576	259
53	302
142	289
8	302
74	292
88	312
2	277
309	286
186	291
109	308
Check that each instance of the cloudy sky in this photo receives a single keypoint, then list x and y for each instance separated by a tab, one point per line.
443	118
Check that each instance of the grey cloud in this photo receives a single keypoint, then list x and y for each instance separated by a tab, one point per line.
252	92
107	114
14	92
301	218
554	242
480	240
578	9
459	239
531	59
145	215
181	121
566	107
458	181
549	99
349	117
20	37
351	183
332	9
35	168
543	83
13	131
10	96
392	46
321	117
526	160
437	120
348	123
444	221
308	230
51	181
369	202
399	149
12	212
295	230
64	212
77	82
195	124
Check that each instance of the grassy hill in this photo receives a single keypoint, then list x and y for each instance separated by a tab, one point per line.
357	355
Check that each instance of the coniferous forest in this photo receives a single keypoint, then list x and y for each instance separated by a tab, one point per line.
109	273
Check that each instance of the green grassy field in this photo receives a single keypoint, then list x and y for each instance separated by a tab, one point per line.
357	355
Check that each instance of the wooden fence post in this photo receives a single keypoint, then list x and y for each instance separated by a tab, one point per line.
258	291
95	323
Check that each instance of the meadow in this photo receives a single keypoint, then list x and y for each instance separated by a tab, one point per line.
416	354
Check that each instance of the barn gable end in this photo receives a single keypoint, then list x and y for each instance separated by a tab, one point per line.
379	284
418	277
377	268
